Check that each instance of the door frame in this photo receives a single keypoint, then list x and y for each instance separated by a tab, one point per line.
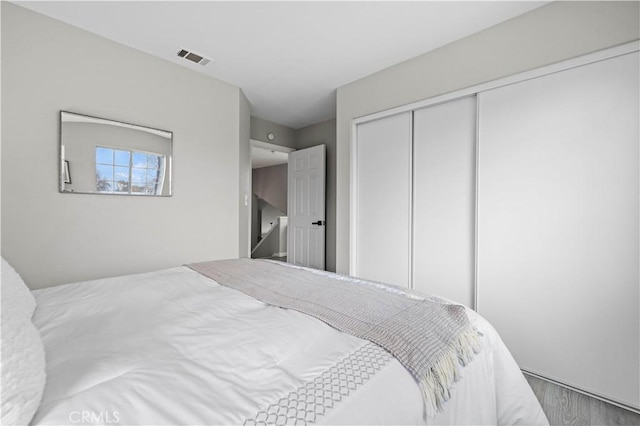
254	143
291	195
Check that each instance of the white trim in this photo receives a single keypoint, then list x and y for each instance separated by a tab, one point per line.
353	195
582	391
601	55
270	146
411	198
282	254
475	206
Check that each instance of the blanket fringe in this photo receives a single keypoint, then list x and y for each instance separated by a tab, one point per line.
445	371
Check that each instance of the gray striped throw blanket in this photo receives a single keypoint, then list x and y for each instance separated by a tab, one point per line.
430	337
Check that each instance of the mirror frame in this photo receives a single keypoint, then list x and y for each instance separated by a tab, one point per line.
63	164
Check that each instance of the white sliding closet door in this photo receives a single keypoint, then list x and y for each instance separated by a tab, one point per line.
444	199
383	200
558	249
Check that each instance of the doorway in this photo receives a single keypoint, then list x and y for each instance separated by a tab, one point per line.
269	200
288	206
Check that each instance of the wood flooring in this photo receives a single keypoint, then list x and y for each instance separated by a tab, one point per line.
566	407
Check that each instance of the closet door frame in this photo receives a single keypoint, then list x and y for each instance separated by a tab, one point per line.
612	52
602	55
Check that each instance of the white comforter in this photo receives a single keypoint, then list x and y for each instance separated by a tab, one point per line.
174	347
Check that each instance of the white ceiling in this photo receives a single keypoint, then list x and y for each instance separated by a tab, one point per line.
262	157
288	57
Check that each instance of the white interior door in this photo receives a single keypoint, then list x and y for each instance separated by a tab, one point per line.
306	207
383	200
558	211
444	138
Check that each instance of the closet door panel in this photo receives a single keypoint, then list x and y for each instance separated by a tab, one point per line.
444	199
383	197
558	250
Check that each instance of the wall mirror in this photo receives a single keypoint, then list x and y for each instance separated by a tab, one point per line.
100	156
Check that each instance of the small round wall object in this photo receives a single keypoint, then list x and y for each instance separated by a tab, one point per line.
271	136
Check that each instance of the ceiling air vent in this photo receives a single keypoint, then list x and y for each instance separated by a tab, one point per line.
194	57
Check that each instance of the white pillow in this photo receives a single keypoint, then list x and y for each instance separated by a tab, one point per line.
23	359
16	296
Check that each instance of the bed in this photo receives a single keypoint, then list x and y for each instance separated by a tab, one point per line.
176	347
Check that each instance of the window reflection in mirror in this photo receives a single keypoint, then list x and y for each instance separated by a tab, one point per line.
110	157
132	172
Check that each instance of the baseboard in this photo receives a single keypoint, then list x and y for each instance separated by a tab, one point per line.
283	254
589	394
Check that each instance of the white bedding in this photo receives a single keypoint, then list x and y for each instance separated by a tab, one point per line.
174	347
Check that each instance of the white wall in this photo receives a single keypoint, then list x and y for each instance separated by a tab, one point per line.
552	33
53	238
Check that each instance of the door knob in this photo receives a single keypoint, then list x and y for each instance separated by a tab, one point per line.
319	223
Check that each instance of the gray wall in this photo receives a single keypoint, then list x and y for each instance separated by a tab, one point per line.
269	245
283	135
552	33
255	221
270	184
245	198
316	134
53	238
269	218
